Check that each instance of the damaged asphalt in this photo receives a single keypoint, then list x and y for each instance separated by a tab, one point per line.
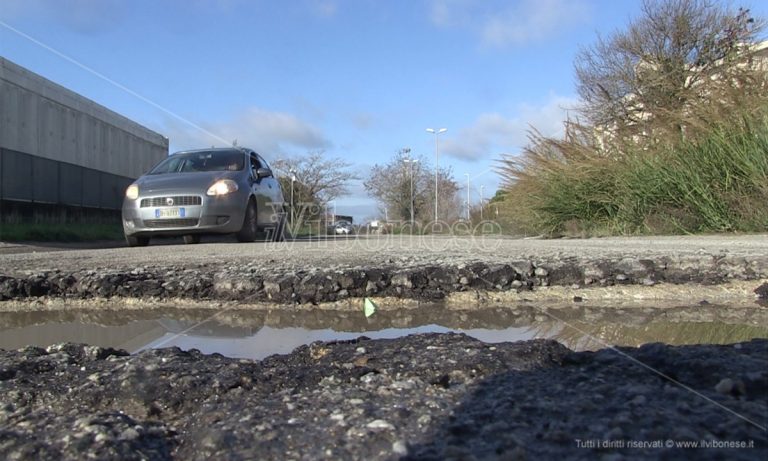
430	396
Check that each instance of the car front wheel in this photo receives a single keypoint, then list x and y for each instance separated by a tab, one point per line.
136	241
250	227
190	239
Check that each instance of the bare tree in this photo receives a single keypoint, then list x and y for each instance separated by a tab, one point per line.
681	57
318	180
391	184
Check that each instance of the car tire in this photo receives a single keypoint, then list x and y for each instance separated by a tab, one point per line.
250	227
134	241
191	239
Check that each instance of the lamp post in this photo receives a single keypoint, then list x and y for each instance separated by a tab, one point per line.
481	201
437	155
410	162
293	179
468	217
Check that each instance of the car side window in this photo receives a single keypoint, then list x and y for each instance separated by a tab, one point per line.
263	162
255	165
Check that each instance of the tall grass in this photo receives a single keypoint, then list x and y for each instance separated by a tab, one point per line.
716	182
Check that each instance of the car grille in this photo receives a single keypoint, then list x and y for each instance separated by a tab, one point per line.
168	223
180	200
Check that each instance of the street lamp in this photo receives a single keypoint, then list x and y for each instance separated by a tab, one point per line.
293	179
410	162
436	133
327	223
481	202
468	217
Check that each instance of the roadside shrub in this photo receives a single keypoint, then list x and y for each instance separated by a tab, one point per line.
715	183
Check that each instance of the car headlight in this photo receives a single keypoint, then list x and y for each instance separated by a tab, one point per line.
132	193
222	187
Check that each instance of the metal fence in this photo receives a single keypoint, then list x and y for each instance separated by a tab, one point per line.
29	178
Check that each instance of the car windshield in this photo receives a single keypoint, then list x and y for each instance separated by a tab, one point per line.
201	161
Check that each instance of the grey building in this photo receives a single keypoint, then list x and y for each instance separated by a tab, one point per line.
62	156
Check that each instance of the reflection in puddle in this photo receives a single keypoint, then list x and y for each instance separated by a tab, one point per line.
257	334
268	340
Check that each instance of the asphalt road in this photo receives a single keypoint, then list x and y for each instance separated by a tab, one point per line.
353	251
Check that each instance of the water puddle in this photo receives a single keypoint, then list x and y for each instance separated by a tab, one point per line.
258	334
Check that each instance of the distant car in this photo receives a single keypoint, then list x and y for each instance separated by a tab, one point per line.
207	191
343	228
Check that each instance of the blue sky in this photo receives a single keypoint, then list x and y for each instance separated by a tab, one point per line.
359	79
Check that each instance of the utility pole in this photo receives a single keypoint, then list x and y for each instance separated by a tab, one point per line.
481	202
437	156
293	213
468	217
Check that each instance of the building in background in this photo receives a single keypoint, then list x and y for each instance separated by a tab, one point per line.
64	158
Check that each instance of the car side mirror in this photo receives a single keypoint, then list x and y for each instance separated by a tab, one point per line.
263	173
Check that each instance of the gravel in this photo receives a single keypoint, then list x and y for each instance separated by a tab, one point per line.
434	396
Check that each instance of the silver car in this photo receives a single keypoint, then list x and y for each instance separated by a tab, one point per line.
207	191
343	228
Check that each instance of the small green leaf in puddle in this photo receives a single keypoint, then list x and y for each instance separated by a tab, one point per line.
369	307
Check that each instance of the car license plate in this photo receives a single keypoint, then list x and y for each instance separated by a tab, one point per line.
170	212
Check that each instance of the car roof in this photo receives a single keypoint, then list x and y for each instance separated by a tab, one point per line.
214	150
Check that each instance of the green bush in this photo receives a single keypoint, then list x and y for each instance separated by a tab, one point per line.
718	183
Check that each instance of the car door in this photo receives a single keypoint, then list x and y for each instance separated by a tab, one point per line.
262	190
276	200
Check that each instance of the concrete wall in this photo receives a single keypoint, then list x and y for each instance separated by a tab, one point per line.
42	118
58	147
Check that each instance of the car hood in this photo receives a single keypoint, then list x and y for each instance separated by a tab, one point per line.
190	182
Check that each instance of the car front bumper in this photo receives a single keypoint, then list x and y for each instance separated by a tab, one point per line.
188	214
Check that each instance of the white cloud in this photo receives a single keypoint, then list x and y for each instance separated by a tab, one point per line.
363	120
83	16
270	133
444	13
325	8
503	23
493	133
